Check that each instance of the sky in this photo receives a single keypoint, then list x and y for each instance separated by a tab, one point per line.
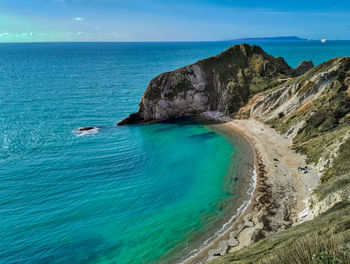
171	20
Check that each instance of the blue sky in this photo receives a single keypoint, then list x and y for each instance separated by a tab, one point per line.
156	20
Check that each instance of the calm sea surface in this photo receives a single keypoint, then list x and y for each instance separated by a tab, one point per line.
127	194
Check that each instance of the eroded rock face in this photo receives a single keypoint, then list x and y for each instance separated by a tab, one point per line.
302	68
221	83
313	111
298	95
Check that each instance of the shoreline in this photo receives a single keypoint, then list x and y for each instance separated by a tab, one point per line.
280	194
247	187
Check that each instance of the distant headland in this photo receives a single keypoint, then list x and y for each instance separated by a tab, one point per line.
281	38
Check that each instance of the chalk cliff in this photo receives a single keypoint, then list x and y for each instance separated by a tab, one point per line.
221	83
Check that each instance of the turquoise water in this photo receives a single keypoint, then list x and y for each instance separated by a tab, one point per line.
124	194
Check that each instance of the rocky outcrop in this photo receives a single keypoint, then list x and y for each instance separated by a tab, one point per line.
222	83
86	128
302	68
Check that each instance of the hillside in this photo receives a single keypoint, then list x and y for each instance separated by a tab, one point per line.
313	111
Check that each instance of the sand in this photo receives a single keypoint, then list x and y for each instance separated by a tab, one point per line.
279	200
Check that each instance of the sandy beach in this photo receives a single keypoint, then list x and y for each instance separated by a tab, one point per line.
284	183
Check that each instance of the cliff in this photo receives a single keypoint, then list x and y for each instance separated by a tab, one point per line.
222	83
313	110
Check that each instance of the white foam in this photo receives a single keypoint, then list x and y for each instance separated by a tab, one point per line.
227	225
80	133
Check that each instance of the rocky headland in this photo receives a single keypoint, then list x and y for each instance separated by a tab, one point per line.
222	83
298	123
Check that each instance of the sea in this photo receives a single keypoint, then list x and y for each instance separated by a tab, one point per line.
127	195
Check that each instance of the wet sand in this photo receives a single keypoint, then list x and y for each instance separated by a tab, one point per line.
282	189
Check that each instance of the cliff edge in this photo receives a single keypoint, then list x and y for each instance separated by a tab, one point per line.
221	83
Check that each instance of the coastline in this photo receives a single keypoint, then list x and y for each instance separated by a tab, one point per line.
245	175
280	193
239	185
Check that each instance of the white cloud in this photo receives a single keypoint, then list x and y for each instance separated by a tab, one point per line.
79	19
23	35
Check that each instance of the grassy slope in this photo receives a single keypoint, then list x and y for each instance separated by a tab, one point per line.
335	222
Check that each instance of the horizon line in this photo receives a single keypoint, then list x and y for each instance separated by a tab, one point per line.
172	41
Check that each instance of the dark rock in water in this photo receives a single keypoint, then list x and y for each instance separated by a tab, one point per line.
86	128
302	68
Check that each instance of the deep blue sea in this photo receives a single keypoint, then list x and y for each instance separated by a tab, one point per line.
130	194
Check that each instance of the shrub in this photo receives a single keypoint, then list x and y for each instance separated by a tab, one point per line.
325	257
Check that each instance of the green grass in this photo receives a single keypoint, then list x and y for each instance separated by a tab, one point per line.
334	225
312	249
